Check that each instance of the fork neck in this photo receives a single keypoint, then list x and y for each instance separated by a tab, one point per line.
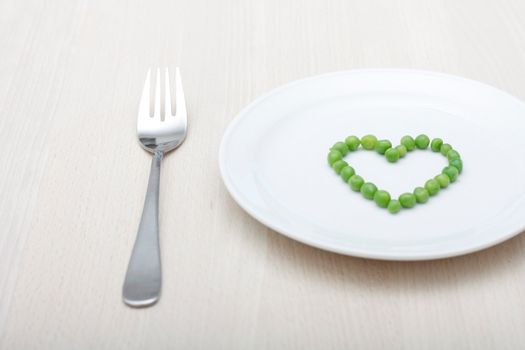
158	155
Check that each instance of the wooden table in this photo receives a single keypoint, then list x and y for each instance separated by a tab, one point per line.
73	178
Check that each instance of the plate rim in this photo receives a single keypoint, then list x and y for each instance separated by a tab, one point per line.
387	256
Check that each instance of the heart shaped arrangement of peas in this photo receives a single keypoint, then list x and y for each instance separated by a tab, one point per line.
382	198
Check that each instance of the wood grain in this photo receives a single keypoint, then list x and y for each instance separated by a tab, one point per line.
73	178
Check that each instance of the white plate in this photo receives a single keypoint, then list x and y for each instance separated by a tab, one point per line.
273	162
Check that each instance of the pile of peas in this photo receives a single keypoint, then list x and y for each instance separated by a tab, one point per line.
382	198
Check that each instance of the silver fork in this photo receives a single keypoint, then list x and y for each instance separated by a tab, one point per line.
143	278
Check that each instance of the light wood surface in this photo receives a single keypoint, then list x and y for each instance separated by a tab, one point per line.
73	178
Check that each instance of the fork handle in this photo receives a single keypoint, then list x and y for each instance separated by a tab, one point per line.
143	277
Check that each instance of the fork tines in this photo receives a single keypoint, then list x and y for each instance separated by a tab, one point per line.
147	109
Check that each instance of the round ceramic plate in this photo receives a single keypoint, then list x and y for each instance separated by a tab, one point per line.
273	162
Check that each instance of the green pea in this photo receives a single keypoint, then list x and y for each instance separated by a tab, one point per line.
408	142
382	198
452	172
436	144
402	150
457	163
369	142
407	200
394	206
341	147
334	156
368	190
453	154
356	182
382	146
352	142
392	155
421	195
432	186
445	148
443	180
339	165
422	141
347	172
